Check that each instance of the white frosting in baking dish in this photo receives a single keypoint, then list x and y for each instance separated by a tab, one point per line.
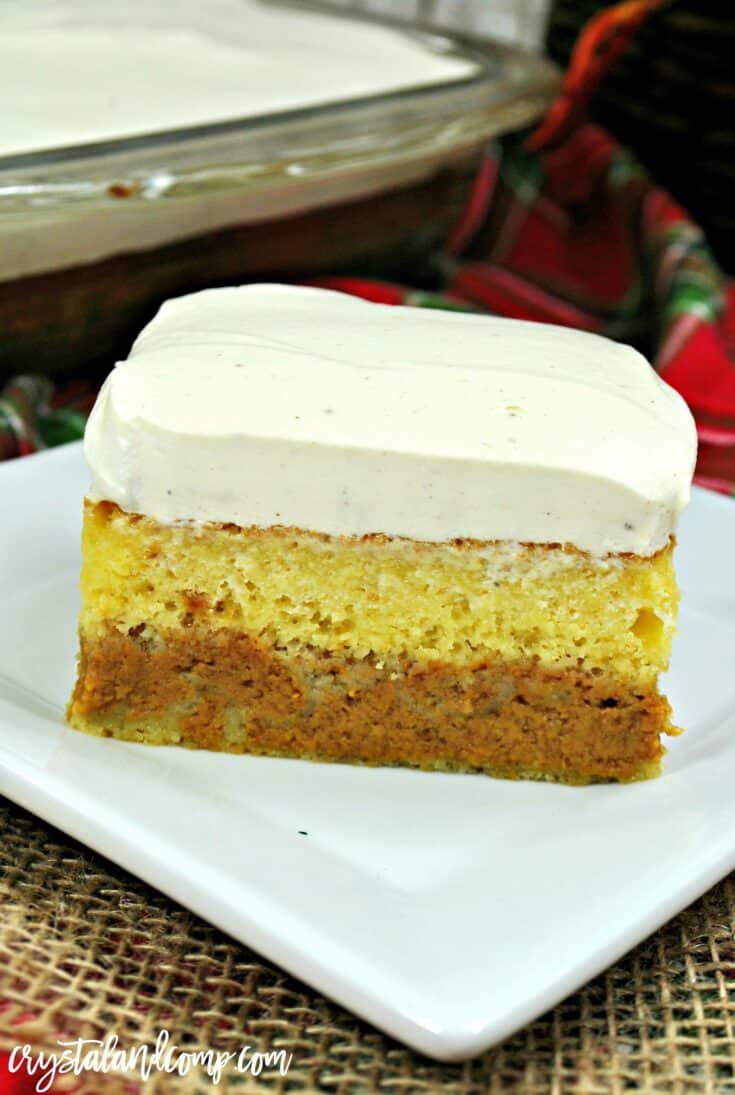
271	404
77	71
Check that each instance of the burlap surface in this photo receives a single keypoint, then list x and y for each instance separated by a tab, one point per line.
85	949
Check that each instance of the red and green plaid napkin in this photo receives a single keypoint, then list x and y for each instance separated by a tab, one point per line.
576	235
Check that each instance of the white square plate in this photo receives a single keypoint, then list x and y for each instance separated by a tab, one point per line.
448	910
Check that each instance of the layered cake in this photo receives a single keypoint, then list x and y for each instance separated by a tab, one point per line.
323	528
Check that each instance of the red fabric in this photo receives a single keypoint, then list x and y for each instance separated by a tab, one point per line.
701	368
16	1083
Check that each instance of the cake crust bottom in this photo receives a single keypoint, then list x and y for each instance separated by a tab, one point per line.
226	690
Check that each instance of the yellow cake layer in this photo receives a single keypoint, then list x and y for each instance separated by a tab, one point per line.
457	602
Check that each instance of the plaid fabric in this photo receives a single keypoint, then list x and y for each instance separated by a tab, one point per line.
33	416
576	235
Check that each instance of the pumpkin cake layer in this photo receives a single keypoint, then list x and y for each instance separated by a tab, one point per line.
222	689
463	655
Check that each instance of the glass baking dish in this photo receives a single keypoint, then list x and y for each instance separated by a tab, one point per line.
93	237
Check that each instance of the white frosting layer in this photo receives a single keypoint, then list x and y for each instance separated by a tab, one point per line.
76	71
270	404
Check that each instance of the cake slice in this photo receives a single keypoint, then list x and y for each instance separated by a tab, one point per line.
329	529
